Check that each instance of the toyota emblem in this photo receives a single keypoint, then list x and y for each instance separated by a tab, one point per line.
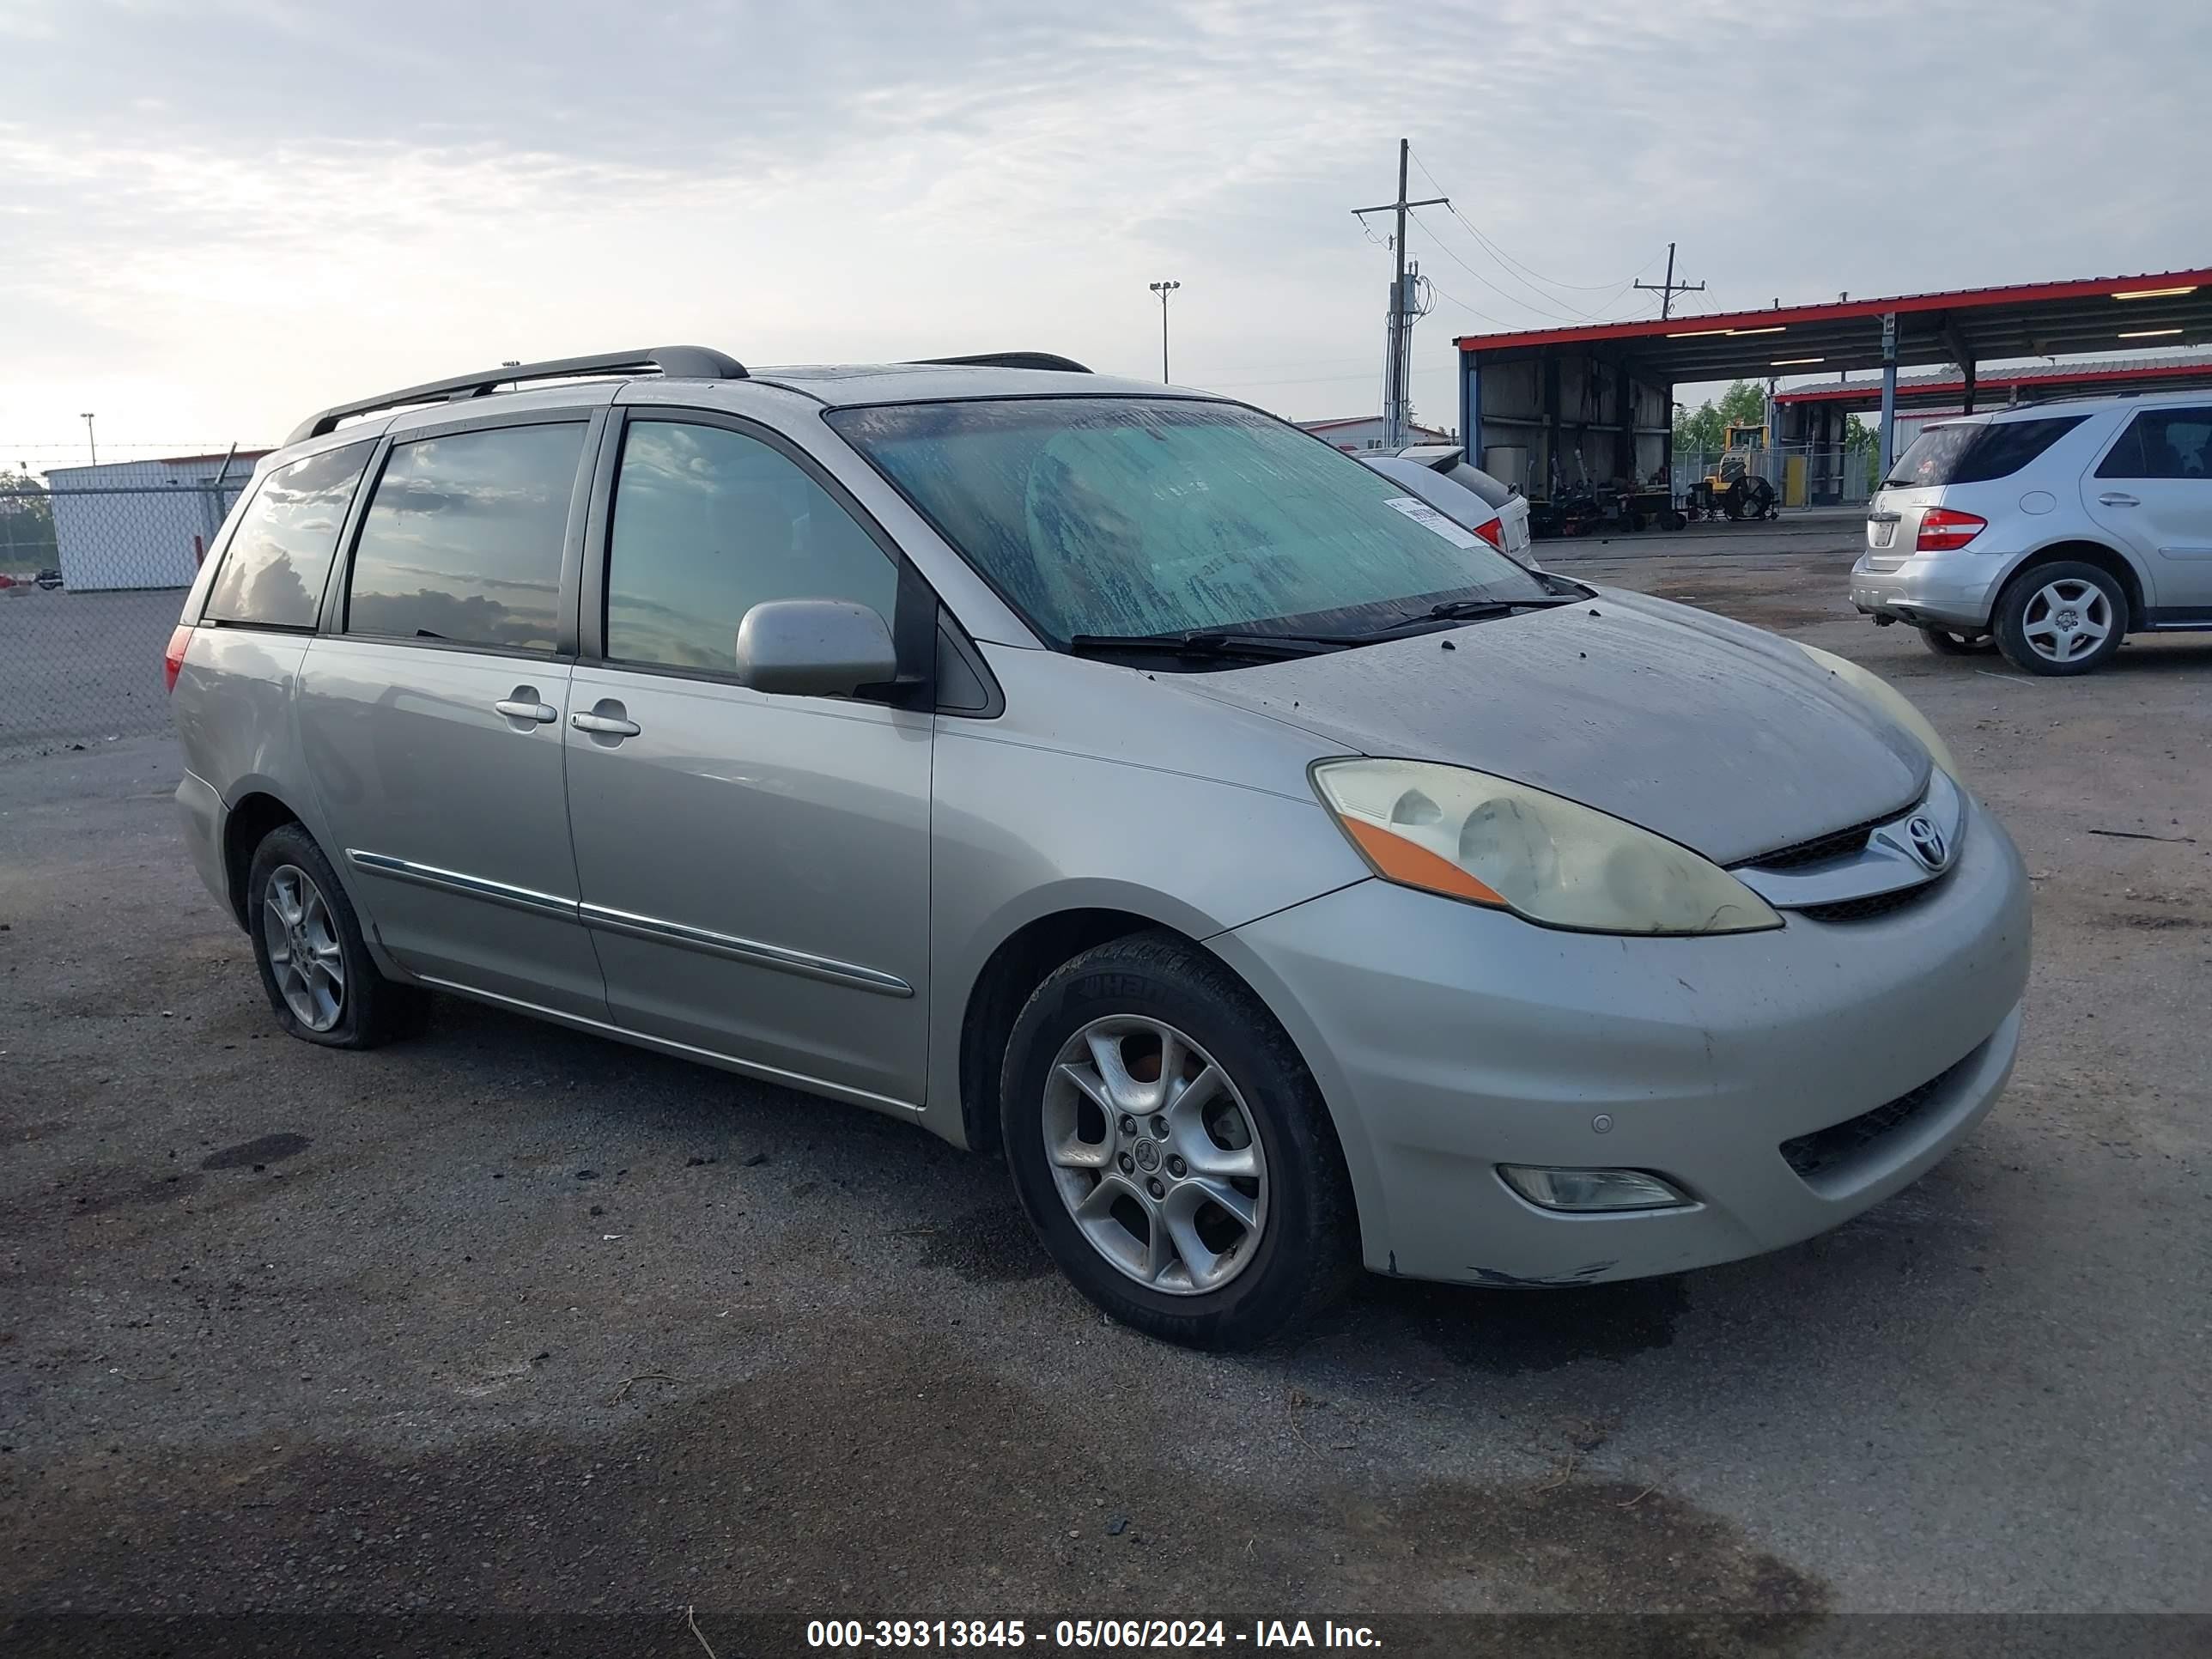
1927	841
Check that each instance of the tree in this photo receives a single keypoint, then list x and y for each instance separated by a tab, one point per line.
27	523
1862	443
1744	404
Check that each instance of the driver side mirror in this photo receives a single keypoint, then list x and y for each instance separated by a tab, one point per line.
814	648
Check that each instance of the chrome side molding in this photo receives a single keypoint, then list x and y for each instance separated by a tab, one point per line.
456	881
803	963
780	957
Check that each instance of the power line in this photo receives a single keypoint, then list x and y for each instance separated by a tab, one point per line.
1472	311
1444	248
1513	267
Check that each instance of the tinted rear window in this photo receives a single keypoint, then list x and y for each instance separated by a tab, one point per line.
462	541
1474	478
272	574
1975	455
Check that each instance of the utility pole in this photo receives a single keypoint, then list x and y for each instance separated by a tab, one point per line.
1163	289
1395	365
1668	289
89	440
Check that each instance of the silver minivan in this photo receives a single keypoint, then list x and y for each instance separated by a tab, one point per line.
1110	775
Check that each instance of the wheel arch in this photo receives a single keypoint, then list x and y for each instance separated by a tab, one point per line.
2083	550
1028	955
1021	962
246	823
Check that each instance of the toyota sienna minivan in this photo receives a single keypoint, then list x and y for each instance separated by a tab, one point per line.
1109	776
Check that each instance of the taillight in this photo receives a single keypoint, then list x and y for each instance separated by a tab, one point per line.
1493	531
1941	529
172	659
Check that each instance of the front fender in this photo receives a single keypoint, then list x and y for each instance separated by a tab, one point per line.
1021	833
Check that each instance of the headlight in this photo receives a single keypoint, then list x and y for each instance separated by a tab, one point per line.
1488	841
1889	700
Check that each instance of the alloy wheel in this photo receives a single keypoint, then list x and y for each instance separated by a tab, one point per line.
305	955
2067	619
1156	1154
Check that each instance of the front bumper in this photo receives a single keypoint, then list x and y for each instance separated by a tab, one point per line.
1956	589
1448	1040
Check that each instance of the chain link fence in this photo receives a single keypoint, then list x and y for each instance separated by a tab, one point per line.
1802	475
91	581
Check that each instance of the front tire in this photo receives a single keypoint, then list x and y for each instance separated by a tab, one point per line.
1171	1150
314	966
2062	618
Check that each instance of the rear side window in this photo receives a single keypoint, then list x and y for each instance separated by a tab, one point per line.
2163	443
709	523
462	540
1966	454
272	575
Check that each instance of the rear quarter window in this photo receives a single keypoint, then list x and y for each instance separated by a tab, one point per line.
1964	454
273	571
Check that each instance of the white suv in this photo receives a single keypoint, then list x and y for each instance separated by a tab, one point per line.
2054	530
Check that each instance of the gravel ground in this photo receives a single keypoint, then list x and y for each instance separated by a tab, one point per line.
505	1319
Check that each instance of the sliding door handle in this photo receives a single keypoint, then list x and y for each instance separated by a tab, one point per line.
525	706
609	725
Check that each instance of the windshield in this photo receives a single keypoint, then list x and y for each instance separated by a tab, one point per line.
1100	516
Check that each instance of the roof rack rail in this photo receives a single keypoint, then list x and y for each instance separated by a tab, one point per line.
1012	359
687	362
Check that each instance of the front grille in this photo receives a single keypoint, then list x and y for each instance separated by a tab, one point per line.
1815	1154
1859	909
1836	844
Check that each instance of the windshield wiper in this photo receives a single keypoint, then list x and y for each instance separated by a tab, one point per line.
1472	610
1204	642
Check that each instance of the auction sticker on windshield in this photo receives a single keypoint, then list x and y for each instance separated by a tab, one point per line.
1422	513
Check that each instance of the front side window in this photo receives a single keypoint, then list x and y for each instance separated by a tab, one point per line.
272	573
1117	516
2163	443
462	540
709	523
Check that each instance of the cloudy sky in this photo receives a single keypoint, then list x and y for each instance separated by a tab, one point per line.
218	216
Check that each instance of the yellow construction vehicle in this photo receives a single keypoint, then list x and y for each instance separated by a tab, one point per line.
1731	488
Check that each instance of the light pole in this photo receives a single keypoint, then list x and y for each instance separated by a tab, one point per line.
89	440
1163	289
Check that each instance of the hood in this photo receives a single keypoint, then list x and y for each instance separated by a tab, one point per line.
1721	736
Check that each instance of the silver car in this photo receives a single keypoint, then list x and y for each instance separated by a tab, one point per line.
1112	776
2051	531
1457	503
1448	462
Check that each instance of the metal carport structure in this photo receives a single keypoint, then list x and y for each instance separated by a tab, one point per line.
1603	393
2038	383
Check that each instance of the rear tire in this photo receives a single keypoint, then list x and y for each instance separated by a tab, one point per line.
1954	642
1119	1180
315	966
2062	618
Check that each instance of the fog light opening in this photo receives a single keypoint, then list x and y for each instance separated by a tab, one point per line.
1584	1191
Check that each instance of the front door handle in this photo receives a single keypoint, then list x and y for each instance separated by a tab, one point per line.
2115	498
607	721
524	706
